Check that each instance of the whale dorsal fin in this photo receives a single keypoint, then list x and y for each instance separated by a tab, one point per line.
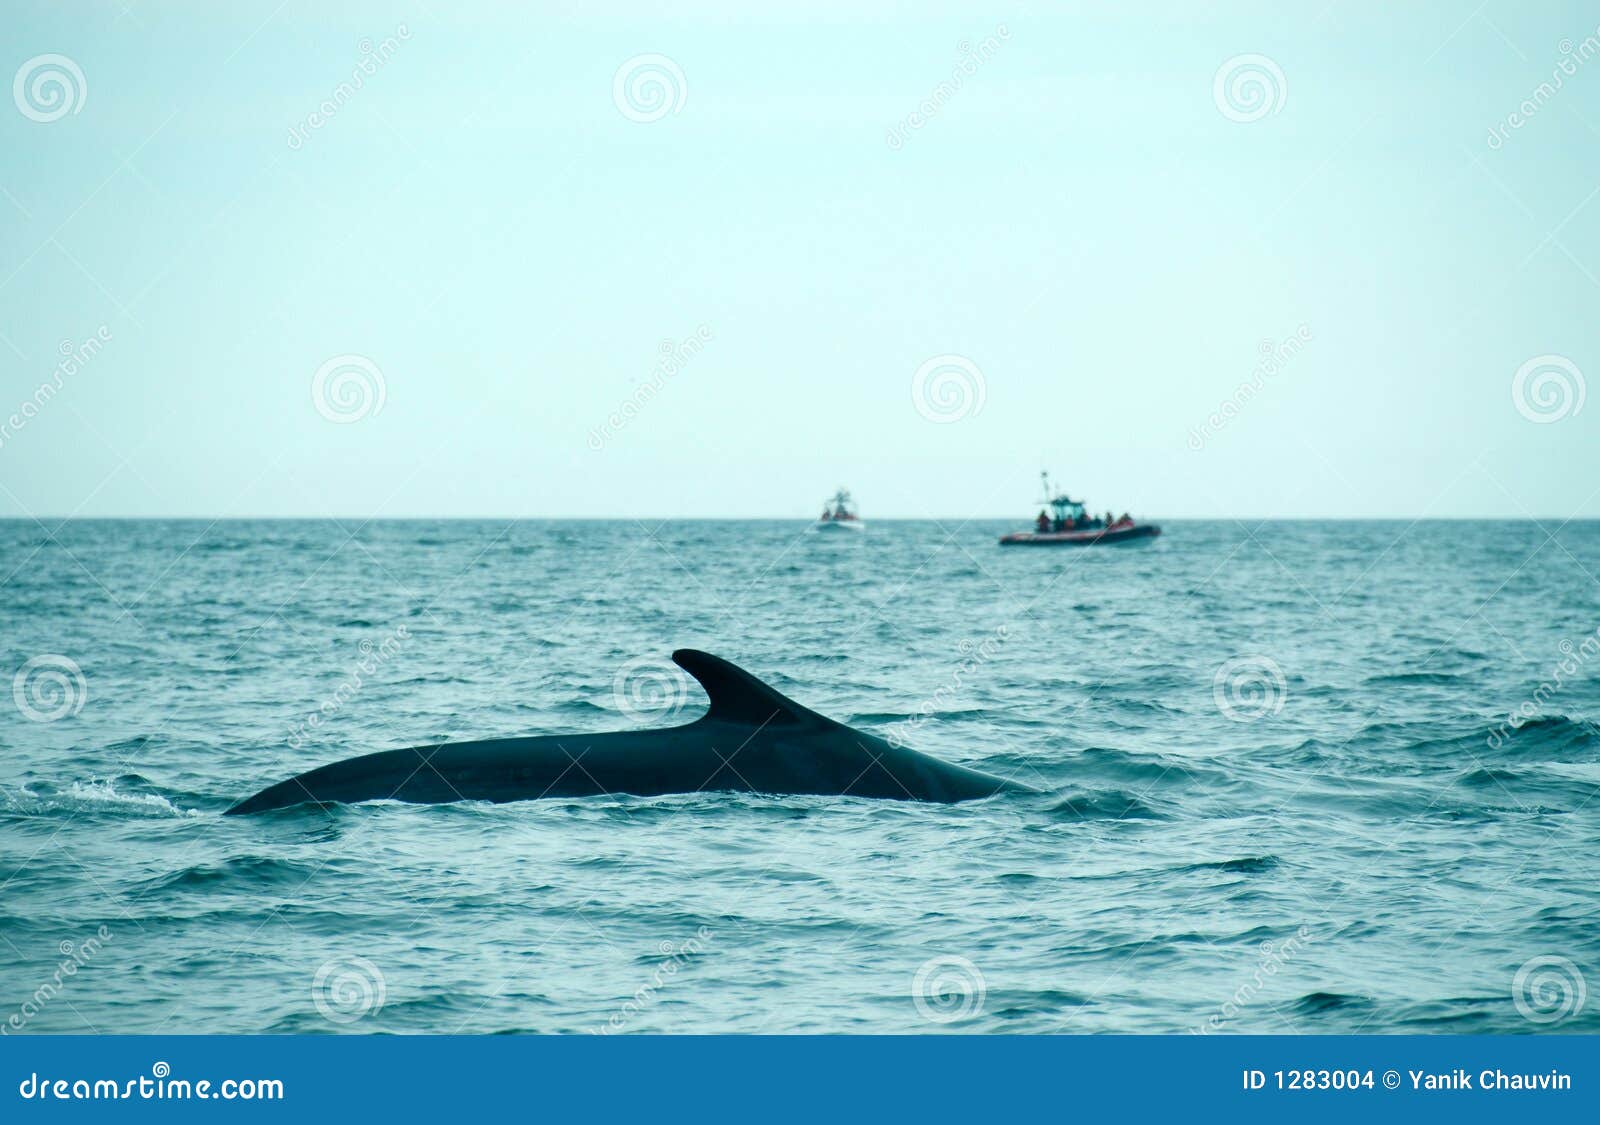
736	695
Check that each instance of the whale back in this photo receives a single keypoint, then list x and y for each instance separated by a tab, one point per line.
752	739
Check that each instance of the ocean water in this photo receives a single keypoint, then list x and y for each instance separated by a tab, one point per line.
1278	786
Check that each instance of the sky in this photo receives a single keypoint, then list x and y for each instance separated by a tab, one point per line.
710	259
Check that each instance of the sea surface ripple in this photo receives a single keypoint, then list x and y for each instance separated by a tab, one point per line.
1279	788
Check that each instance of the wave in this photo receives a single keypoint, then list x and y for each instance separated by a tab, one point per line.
1400	679
1393	749
248	872
1016	1003
1458	1014
1247	865
1127	706
880	718
1546	738
1319	1003
1106	805
95	796
1147	769
1483	777
1548	735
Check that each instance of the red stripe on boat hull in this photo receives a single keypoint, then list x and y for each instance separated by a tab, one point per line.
1079	538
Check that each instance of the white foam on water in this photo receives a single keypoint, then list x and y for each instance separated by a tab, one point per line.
94	795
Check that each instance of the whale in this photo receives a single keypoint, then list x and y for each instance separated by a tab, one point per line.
752	739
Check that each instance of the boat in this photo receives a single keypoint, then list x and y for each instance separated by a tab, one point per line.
1073	526
839	514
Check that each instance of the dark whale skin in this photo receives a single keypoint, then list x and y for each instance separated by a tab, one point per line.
752	739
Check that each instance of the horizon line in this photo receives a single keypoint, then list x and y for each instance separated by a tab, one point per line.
64	519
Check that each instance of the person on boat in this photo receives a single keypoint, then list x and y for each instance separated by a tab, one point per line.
1043	522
